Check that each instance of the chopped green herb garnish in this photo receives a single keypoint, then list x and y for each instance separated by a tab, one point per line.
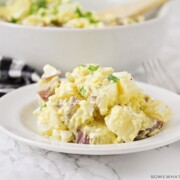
55	11
93	21
41	3
34	8
83	91
14	20
93	68
43	106
88	14
79	12
43	13
37	5
113	78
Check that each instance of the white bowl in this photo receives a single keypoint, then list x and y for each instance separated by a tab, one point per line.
122	47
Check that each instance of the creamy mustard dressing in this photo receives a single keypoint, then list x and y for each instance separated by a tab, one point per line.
95	105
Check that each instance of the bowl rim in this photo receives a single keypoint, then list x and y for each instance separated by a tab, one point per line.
161	15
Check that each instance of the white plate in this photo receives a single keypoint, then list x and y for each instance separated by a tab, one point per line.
17	120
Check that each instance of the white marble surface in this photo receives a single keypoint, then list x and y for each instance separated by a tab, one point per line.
21	162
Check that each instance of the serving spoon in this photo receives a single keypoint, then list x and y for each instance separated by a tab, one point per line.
133	8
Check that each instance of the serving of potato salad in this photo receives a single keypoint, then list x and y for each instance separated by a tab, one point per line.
95	105
58	13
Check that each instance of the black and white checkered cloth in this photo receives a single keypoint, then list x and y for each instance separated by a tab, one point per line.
14	74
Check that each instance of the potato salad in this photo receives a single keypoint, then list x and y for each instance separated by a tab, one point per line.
95	105
58	13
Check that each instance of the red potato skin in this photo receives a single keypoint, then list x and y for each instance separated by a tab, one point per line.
81	138
45	94
158	125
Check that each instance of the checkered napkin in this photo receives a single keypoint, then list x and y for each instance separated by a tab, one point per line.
14	74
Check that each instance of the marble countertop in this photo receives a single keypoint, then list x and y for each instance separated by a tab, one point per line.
22	162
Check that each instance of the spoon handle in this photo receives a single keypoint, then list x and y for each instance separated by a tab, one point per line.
134	8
